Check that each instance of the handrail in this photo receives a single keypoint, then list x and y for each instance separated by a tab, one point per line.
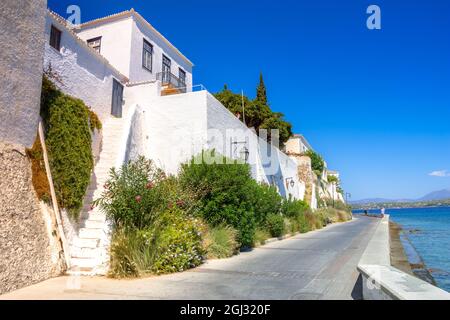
168	78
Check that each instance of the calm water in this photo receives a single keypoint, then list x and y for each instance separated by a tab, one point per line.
429	235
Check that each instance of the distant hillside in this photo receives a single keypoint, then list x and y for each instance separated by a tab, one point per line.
379	200
432	196
436	198
436	195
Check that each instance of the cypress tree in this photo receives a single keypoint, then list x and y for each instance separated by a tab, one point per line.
261	94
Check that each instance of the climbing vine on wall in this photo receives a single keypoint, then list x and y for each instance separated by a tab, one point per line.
68	124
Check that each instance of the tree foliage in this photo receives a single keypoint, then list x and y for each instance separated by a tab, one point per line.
258	114
317	162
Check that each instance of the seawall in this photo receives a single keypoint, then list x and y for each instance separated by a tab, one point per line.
381	281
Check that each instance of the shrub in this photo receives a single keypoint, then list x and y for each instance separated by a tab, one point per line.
292	208
39	175
317	163
68	139
275	225
137	192
261	235
173	243
178	242
223	192
221	242
266	200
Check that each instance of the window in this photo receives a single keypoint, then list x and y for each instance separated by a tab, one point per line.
147	56
95	43
182	76
55	38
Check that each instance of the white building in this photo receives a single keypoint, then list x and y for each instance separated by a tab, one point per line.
137	49
141	87
297	144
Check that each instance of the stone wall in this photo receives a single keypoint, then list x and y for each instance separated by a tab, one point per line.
27	250
22	38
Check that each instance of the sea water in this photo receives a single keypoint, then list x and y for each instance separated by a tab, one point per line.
428	232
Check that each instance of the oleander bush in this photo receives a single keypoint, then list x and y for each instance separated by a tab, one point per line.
221	242
154	229
68	125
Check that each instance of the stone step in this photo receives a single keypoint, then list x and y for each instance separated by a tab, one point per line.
88	233
94	224
97	216
84	264
79	272
85	243
84	253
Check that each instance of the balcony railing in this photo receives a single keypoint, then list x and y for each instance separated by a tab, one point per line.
171	81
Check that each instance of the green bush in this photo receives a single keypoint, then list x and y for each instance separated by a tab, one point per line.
292	208
224	192
317	163
275	225
178	242
266	200
172	244
68	139
221	242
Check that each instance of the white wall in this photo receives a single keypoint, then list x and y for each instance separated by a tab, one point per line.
115	43
122	45
22	38
137	72
83	73
177	127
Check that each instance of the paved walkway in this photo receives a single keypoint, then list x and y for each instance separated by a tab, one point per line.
316	265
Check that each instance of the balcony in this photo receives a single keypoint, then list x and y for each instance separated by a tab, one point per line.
170	83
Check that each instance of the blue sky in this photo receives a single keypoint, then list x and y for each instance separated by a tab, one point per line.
374	103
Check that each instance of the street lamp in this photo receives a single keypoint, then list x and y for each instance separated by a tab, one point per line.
244	153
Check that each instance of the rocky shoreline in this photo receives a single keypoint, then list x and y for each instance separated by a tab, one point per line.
404	256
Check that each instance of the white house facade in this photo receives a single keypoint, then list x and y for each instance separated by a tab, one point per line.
137	49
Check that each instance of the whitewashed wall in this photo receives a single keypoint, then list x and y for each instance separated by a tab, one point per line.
122	44
177	127
137	72
115	43
83	73
22	45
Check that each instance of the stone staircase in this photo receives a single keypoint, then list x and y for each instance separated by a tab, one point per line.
89	248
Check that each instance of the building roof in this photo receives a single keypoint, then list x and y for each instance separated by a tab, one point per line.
137	16
63	23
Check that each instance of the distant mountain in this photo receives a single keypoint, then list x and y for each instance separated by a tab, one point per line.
379	200
436	195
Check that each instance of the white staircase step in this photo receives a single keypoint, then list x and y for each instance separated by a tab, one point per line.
84	253
94	224
83	263
87	233
85	243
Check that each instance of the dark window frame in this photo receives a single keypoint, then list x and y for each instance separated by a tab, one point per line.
55	38
95	39
145	46
182	78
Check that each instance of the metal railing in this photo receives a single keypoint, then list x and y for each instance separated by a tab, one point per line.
169	79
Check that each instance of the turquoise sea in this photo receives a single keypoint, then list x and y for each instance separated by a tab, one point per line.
426	236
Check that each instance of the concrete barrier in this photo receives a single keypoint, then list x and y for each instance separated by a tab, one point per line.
381	281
